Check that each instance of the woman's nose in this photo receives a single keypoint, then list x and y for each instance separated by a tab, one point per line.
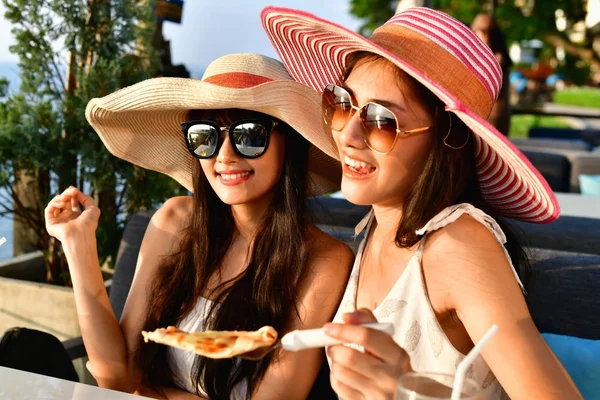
352	134
226	154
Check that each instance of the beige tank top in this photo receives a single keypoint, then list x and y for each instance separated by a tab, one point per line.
407	306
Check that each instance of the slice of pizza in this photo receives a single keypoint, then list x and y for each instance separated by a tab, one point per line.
214	344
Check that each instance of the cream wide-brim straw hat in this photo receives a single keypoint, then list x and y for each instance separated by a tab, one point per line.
141	123
446	57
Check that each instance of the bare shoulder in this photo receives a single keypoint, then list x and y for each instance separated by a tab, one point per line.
165	228
481	288
466	258
329	264
478	284
327	254
464	234
174	214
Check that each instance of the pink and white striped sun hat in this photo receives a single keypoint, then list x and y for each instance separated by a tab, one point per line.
446	57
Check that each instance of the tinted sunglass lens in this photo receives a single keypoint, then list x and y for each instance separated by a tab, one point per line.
380	127
337	106
250	138
203	140
328	107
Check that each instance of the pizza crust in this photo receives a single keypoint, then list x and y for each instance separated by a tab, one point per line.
214	344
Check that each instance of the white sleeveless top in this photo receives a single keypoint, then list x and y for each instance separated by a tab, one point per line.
181	362
407	307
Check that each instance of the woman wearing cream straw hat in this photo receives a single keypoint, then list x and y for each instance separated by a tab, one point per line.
250	143
407	110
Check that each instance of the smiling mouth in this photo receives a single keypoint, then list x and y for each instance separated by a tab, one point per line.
234	177
357	169
230	177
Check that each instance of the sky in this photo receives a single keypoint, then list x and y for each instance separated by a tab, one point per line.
212	28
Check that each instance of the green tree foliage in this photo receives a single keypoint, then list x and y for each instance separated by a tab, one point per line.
71	51
373	12
519	20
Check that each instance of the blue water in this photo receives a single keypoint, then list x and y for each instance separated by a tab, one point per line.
9	71
6	230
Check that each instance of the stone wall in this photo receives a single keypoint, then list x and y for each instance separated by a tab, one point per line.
35	305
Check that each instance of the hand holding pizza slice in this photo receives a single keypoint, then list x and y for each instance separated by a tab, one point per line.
249	345
214	344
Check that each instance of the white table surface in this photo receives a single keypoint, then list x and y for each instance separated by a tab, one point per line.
19	385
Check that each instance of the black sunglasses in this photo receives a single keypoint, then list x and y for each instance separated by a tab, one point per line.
249	137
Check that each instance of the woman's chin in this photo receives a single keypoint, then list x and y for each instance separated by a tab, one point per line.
357	195
254	196
232	198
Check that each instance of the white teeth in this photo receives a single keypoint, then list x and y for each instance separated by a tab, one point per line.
356	163
227	177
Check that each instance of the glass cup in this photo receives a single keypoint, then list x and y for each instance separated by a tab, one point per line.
434	386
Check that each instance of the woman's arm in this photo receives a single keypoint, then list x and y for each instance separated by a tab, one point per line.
485	292
110	347
170	393
293	374
100	330
474	279
372	374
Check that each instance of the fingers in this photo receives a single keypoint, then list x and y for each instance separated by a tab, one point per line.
379	344
75	205
67	203
91	213
65	197
85	200
352	359
60	202
73	197
349	384
64	217
57	202
343	390
380	385
54	207
362	372
69	192
78	197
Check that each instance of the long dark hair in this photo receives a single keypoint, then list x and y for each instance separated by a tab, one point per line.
449	176
265	293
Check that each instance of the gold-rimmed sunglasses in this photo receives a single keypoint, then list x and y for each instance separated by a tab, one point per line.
380	125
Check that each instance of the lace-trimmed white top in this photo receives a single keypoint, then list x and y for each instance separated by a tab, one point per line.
407	306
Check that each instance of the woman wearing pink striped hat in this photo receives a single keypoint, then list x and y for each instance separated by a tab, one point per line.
407	109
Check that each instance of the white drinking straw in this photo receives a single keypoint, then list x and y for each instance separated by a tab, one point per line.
2	241
461	370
